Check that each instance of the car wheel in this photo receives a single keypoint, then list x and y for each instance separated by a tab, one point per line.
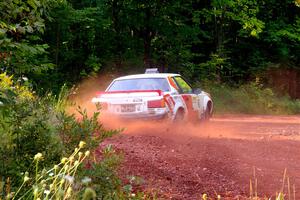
179	117
205	116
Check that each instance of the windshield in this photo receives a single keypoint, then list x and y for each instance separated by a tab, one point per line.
140	84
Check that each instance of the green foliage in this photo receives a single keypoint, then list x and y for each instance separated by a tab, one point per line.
26	127
21	48
56	183
31	124
213	68
104	175
72	130
230	40
251	99
78	39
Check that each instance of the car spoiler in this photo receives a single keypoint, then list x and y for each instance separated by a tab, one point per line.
159	92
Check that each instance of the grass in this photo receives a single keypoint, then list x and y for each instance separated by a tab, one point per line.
55	183
285	193
64	182
251	99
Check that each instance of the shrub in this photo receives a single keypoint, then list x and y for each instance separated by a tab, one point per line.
104	175
30	124
25	128
74	129
250	98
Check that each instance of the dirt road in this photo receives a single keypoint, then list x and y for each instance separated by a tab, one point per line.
183	162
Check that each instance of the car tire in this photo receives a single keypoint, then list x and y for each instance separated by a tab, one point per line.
179	117
205	116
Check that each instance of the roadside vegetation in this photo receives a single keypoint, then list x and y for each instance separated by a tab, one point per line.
47	46
46	153
251	98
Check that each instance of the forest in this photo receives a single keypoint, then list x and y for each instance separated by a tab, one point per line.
224	41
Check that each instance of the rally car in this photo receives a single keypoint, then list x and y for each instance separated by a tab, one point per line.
155	96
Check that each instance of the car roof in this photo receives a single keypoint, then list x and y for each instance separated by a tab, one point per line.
155	75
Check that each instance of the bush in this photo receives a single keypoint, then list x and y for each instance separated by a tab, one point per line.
104	175
31	124
36	132
72	130
250	98
26	127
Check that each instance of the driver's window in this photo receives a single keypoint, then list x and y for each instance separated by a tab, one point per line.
184	86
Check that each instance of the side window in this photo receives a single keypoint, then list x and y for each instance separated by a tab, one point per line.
184	86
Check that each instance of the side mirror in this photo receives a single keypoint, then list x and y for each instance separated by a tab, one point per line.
197	91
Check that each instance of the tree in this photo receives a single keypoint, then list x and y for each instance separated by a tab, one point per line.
21	24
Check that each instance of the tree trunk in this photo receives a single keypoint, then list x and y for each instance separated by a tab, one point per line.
147	37
117	29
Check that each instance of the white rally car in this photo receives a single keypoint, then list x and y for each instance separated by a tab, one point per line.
155	96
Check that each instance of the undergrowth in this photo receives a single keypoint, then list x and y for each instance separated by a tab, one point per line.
250	98
37	142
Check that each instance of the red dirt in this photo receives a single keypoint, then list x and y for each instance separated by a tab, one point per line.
185	161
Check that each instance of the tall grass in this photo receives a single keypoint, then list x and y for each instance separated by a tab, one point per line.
250	98
285	192
55	183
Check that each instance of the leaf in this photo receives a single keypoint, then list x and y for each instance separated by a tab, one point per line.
32	3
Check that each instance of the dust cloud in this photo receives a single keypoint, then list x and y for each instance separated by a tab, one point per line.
88	88
227	126
83	93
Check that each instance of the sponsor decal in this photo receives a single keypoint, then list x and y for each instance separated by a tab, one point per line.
170	102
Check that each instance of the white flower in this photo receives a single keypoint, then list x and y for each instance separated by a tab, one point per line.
46	192
51	174
26	178
69	178
86	180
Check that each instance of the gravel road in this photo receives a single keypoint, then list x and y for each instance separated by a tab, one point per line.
221	157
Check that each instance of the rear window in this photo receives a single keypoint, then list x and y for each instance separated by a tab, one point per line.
140	84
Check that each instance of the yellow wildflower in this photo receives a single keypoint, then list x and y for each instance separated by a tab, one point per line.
38	156
82	144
